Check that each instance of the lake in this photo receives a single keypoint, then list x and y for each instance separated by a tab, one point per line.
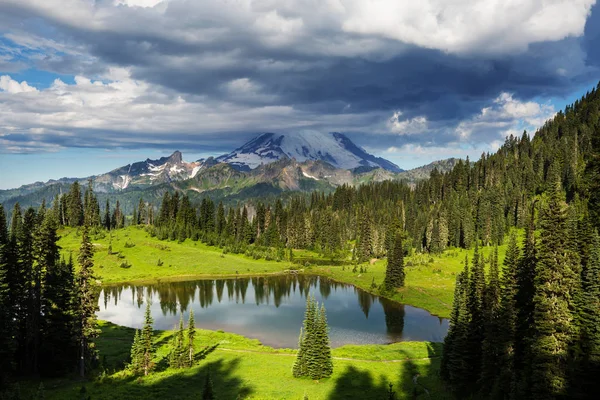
271	309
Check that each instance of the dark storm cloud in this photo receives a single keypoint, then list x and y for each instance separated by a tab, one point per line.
330	78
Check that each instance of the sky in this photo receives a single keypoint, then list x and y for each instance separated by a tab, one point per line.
90	85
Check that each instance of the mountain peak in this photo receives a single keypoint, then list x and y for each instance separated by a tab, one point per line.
176	157
334	148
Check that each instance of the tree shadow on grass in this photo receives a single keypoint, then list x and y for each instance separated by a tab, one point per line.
416	380
179	384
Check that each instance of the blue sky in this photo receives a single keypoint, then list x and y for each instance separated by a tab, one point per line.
87	86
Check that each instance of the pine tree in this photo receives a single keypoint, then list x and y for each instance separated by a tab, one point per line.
137	354
507	320
325	364
87	304
146	341
208	391
588	364
394	273
191	336
6	317
299	368
74	206
475	330
555	283
491	345
305	349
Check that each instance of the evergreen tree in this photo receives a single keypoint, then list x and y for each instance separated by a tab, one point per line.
588	362
394	273
87	304
191	336
491	343
475	330
137	353
146	340
6	317
74	206
507	320
555	283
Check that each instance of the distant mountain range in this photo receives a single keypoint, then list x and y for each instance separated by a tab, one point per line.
268	165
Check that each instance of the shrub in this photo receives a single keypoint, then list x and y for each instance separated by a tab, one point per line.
125	264
159	262
129	244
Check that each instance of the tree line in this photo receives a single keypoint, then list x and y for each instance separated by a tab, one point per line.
47	317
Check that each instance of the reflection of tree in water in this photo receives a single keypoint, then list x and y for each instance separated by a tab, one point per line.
394	318
243	285
175	297
220	283
206	293
365	300
229	283
325	287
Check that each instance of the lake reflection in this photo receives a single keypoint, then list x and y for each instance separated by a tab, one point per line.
271	309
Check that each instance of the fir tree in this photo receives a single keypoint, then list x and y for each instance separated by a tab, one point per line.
87	303
137	353
588	363
146	340
191	336
555	281
491	344
394	273
507	320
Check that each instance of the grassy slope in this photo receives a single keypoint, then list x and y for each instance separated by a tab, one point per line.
241	366
429	280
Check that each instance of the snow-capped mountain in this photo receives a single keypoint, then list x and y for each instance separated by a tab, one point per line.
149	172
334	148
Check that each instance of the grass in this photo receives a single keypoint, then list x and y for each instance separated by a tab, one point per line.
242	368
429	279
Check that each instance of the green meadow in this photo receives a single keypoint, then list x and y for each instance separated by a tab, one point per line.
132	255
242	368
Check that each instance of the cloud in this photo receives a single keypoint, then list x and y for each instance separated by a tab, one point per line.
469	26
11	86
177	73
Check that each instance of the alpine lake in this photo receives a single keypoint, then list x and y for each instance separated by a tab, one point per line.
271	309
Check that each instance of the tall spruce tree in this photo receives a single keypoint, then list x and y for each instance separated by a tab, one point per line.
136	353
394	273
587	364
507	320
491	344
555	283
191	335
87	303
146	340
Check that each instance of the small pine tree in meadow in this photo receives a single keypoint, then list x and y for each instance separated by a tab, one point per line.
191	335
147	348
137	354
208	391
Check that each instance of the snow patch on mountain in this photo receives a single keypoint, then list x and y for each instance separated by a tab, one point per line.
333	148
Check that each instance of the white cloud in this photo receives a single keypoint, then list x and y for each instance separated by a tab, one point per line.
9	85
506	116
460	26
130	112
351	27
409	126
